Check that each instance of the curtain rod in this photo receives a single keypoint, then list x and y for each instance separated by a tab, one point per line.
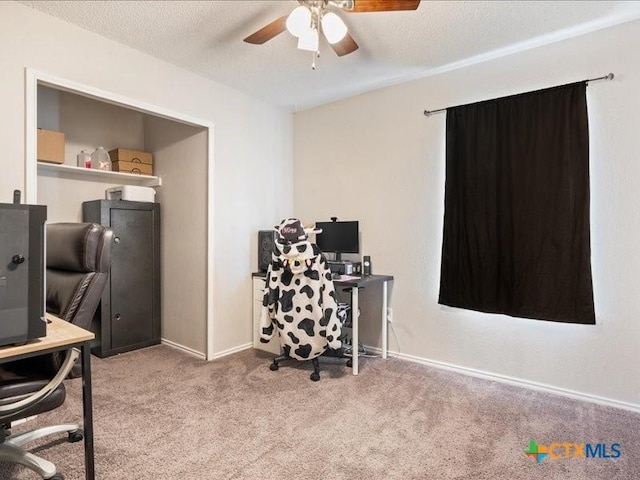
606	77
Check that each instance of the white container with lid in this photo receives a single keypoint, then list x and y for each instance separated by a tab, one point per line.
132	193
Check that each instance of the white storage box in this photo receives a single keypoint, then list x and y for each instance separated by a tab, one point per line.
131	193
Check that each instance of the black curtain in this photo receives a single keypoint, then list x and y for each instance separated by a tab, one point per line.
516	223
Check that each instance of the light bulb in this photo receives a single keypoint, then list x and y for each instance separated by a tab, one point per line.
309	40
299	21
333	27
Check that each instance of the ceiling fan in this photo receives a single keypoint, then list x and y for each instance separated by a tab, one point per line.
313	18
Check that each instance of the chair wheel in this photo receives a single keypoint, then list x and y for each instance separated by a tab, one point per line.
75	436
350	363
315	376
273	367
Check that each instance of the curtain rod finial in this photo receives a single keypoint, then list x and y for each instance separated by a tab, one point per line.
427	113
610	76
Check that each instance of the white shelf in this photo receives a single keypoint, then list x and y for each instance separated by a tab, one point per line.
70	171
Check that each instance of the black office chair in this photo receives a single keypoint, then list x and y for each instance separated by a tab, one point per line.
78	261
22	397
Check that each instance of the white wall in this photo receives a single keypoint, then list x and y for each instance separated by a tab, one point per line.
178	151
377	159
252	140
88	124
48	108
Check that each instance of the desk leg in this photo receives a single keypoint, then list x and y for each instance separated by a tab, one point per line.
354	329
87	407
385	325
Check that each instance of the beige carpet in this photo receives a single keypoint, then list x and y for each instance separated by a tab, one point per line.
160	414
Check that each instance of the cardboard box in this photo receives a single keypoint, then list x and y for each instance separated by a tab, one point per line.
50	146
132	167
133	156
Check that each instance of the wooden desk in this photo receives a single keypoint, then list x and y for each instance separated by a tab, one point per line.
356	282
63	335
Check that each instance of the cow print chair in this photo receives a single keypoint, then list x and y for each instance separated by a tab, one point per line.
299	300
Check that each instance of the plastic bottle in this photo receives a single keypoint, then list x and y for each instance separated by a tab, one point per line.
100	159
84	159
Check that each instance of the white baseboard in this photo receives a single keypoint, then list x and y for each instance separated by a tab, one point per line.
201	355
512	381
184	349
229	351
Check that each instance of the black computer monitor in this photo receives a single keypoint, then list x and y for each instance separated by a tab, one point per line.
338	237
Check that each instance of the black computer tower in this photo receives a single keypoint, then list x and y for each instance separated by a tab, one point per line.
22	264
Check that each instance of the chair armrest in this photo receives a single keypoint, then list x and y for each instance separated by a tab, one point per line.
11	408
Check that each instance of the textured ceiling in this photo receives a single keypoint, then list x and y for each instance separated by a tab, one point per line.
206	37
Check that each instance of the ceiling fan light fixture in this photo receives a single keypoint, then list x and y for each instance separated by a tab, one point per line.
299	21
309	40
333	27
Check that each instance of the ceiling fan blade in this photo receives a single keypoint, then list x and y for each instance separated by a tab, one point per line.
267	32
345	46
383	5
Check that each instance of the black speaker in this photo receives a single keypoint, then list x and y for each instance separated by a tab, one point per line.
366	265
265	248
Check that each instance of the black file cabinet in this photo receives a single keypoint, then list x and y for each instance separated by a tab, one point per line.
128	317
